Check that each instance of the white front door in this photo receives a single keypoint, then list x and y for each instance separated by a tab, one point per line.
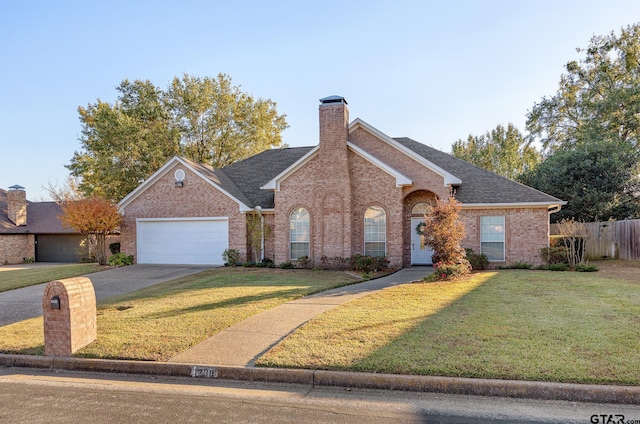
419	256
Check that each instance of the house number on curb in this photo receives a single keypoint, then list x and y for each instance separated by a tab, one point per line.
204	372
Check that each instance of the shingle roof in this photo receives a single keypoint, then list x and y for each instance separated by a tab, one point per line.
254	172
478	185
42	218
243	179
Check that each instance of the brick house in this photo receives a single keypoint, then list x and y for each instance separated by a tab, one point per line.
32	230
357	191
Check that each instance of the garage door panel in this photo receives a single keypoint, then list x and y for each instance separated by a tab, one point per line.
200	242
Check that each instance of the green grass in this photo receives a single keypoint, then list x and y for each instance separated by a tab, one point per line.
158	322
523	325
15	279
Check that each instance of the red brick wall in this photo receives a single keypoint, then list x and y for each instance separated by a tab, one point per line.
323	188
74	325
196	198
374	187
423	179
526	232
15	247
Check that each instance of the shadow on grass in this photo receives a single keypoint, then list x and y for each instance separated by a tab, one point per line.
525	325
236	301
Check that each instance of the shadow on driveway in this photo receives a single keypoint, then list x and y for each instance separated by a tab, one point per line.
24	303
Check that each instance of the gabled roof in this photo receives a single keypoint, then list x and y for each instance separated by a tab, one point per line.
481	187
42	218
217	179
252	181
449	178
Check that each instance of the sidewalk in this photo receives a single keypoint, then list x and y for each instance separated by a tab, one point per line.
243	343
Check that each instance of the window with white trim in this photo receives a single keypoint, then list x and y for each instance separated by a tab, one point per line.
492	237
375	231
299	233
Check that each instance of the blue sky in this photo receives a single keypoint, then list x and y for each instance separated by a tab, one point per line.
432	71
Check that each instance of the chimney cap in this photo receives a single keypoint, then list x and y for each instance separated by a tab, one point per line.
333	99
16	187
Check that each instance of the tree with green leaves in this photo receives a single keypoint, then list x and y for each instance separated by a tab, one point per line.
218	123
589	131
206	119
598	98
597	179
502	150
125	142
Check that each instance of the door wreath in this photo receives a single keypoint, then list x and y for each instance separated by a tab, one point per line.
420	231
420	228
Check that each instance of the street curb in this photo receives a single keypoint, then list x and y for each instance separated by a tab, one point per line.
319	378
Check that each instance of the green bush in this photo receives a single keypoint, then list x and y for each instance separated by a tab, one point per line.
446	272
120	259
287	265
368	264
586	268
231	256
248	264
558	267
336	262
478	261
517	265
305	262
554	255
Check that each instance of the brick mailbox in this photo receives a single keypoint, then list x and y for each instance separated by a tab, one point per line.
69	311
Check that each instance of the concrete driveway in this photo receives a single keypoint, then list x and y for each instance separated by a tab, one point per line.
20	304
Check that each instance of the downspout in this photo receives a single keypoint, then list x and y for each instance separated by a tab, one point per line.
258	209
551	210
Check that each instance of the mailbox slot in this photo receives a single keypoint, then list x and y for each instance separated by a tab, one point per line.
55	302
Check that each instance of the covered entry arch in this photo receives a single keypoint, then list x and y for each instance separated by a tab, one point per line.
415	206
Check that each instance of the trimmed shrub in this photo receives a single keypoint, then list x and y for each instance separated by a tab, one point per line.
287	265
517	265
231	256
554	255
448	272
558	267
368	264
586	268
305	262
478	261
120	259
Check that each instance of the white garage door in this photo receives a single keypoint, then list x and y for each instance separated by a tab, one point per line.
194	241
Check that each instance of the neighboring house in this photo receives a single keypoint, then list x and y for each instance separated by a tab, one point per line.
358	191
33	231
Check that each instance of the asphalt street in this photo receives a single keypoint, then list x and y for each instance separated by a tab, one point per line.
40	396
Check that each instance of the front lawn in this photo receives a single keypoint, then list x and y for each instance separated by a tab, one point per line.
523	325
15	279
158	322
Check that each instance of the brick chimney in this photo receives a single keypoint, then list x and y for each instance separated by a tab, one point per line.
334	124
334	180
17	205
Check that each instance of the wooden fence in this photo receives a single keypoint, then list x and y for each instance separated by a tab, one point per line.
611	239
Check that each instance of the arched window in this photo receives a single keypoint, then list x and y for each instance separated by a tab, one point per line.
375	231
421	209
299	233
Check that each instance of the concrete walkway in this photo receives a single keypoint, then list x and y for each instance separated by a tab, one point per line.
20	304
243	343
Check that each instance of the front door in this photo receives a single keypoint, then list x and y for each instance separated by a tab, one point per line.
419	256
